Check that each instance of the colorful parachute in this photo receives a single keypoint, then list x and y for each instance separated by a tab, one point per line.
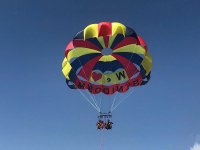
107	57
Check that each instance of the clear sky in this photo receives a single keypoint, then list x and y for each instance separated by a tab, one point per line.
39	112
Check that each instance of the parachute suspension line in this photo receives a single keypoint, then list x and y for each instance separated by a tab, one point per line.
88	91
125	97
113	103
89	101
122	100
100	97
86	98
101	102
95	102
84	73
110	99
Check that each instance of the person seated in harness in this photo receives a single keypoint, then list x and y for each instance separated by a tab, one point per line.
100	124
108	125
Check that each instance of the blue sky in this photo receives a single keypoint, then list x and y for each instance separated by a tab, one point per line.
39	112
